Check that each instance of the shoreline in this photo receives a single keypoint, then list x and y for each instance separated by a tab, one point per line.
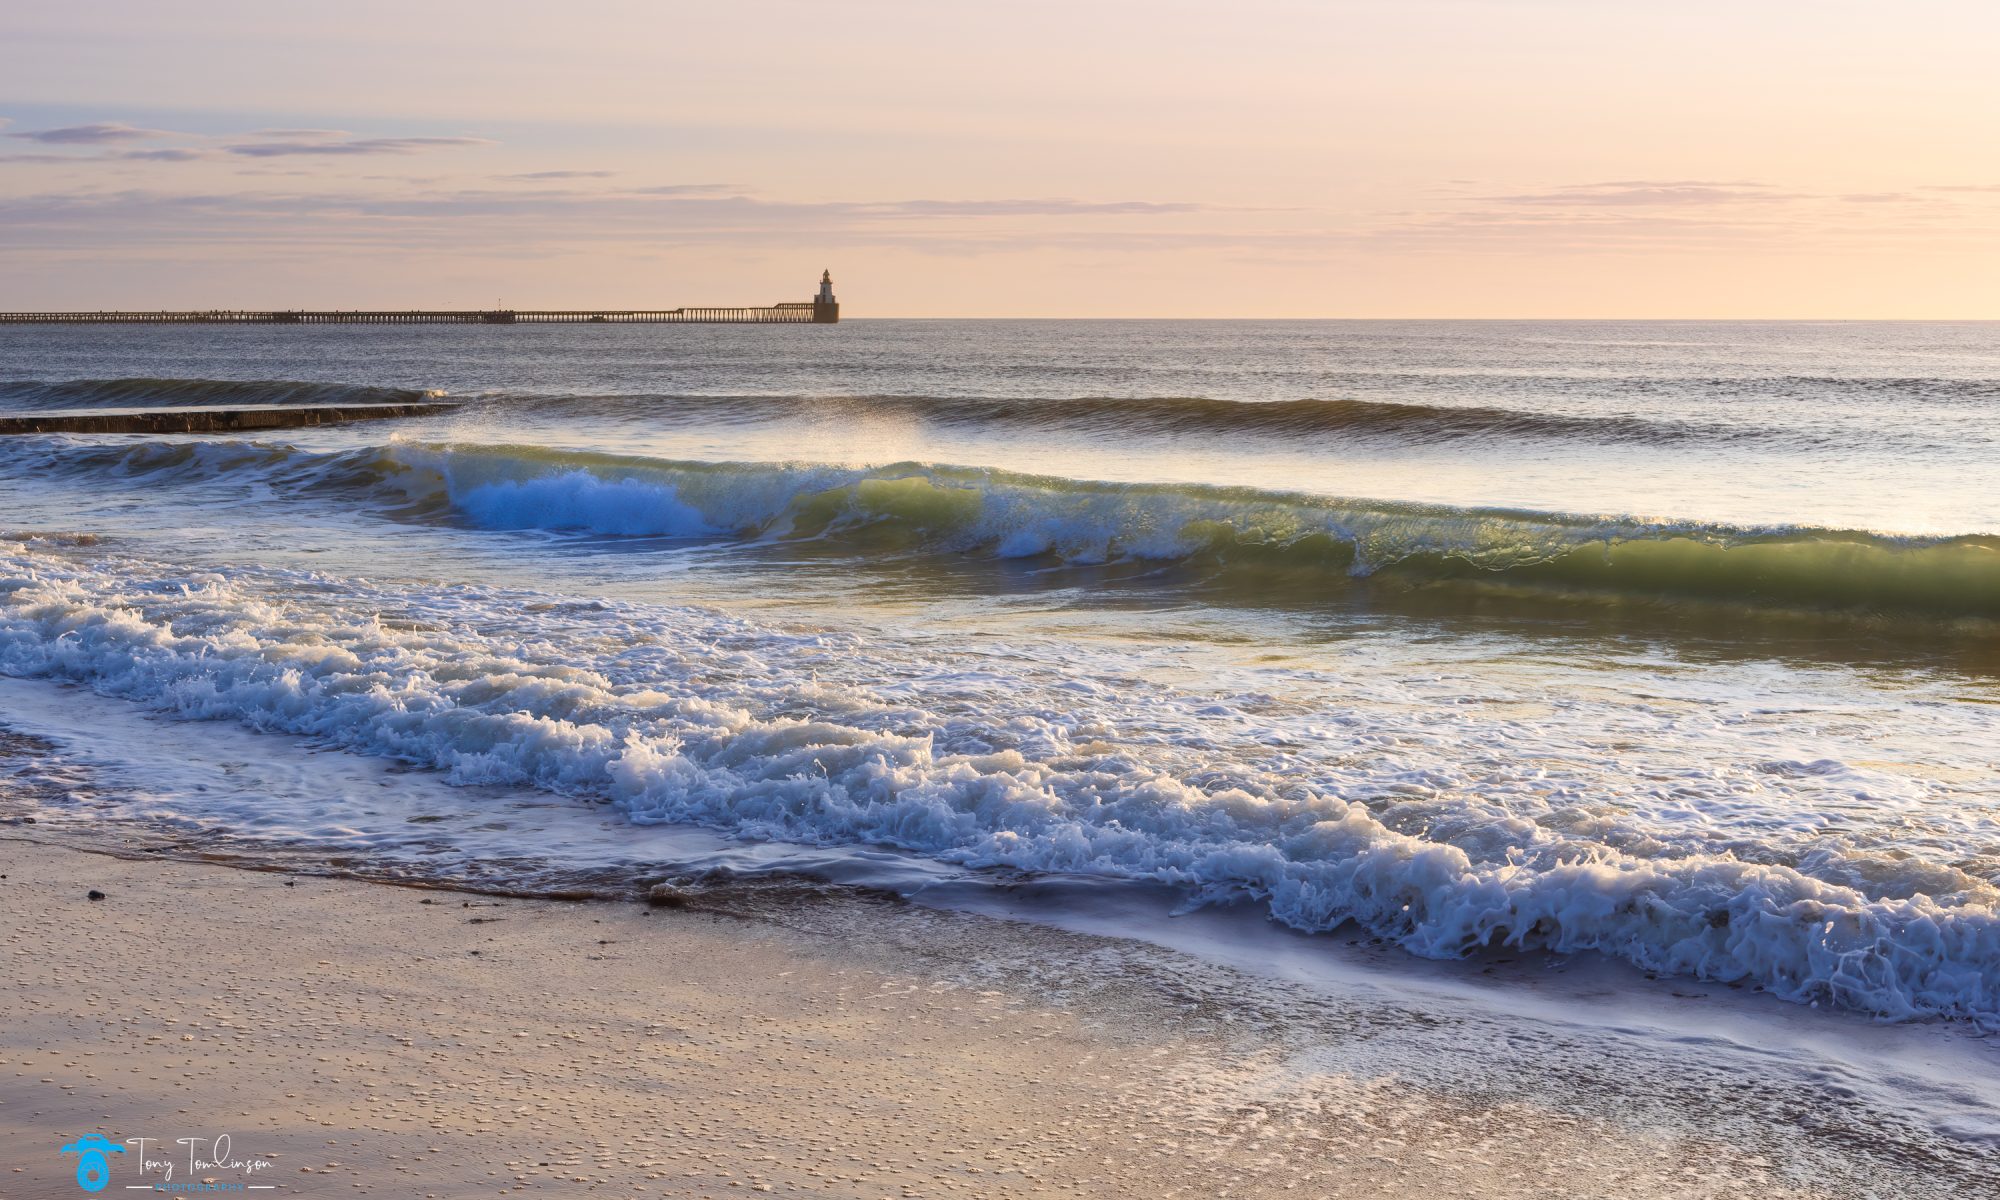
1206	1054
676	1052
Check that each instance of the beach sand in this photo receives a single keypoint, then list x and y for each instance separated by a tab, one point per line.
378	1040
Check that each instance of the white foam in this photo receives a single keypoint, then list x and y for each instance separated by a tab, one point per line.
1443	830
1511	1022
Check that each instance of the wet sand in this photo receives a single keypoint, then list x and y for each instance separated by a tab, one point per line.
368	1039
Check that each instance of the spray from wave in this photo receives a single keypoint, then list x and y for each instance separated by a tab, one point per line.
1154	416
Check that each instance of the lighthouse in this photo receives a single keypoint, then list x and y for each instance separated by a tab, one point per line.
826	310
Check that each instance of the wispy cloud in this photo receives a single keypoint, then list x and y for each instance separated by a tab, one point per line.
1582	230
333	145
528	176
1672	183
690	189
101	141
652	218
1023	208
99	134
1644	193
1651	216
169	154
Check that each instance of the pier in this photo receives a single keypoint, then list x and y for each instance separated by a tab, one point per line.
822	309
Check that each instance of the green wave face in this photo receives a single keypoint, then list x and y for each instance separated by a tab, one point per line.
1216	533
1241	540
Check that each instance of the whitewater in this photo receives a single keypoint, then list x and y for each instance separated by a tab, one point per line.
1674	644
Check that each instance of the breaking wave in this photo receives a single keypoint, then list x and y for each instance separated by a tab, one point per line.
693	717
1213	533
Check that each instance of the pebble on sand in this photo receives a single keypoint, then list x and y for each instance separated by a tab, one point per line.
667	895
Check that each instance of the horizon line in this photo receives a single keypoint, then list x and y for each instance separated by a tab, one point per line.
846	319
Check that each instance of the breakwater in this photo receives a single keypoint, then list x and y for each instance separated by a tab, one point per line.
215	420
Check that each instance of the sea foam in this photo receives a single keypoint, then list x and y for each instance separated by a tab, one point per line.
677	715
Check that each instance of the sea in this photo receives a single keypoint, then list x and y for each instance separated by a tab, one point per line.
1674	646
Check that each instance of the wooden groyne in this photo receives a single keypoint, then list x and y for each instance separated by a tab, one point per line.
215	420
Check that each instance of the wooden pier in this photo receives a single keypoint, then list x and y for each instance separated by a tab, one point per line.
823	309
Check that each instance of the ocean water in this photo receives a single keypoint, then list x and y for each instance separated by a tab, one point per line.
1677	642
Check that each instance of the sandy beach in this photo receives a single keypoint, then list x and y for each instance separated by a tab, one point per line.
367	1039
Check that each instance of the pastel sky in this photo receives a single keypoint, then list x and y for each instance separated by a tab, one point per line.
1257	158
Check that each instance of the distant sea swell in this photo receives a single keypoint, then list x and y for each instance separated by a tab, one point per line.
1213	532
1415	424
1410	423
1426	409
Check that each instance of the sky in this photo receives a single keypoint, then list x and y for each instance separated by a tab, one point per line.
1090	158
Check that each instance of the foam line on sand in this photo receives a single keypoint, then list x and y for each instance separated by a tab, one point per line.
369	1039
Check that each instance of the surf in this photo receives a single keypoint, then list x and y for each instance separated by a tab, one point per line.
1215	535
683	716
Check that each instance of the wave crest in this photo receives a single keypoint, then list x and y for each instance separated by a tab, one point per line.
1403	422
471	683
1209	535
1215	530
